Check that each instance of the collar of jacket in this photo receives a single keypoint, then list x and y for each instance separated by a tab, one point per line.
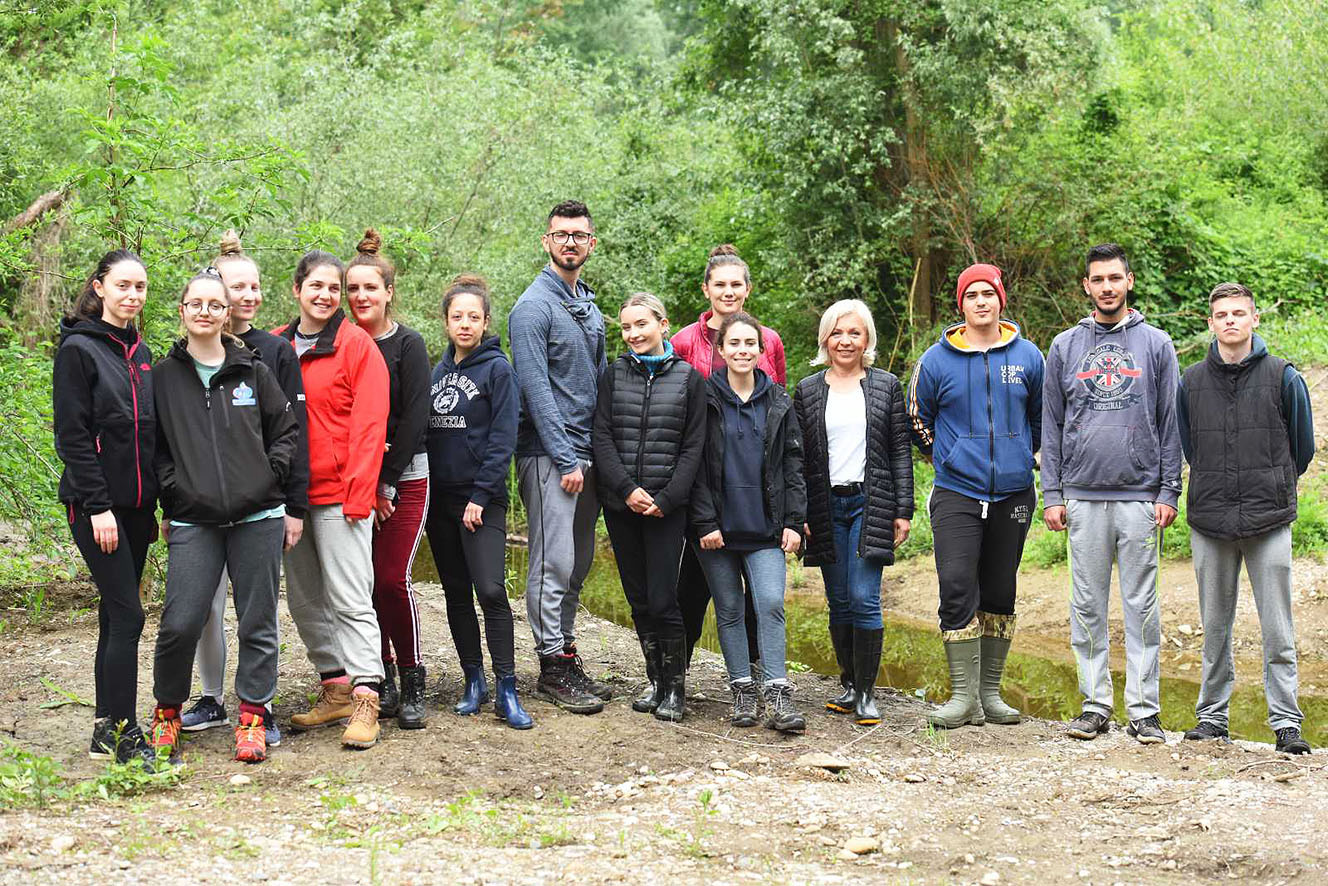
327	343
237	355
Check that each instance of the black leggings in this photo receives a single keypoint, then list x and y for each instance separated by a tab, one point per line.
647	550
978	547
694	598
119	610
470	565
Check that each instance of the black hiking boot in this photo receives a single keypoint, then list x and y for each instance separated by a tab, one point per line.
1088	725
1290	742
411	715
602	691
558	684
389	696
1207	731
781	715
744	703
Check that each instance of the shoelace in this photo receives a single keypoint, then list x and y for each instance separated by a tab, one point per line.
1287	733
363	704
253	732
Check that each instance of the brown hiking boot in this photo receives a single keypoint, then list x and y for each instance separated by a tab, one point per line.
331	706
362	730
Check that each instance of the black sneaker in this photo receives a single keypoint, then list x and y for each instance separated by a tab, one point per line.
1088	726
558	684
1146	731
1207	731
780	713
206	713
1290	742
597	688
134	745
103	740
744	703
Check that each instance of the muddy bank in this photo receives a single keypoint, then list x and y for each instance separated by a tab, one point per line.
619	797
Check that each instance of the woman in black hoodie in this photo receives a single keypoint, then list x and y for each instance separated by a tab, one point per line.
471	438
226	440
105	433
648	436
748	508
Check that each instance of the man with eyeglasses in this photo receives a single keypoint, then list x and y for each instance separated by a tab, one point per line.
557	339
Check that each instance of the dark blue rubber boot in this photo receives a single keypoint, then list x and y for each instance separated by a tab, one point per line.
476	693
508	707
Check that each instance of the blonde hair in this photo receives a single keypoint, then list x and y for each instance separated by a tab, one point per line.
231	251
831	318
647	300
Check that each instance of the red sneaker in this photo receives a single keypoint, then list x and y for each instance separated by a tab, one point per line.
165	731
250	739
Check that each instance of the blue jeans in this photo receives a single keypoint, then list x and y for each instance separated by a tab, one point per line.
852	584
765	571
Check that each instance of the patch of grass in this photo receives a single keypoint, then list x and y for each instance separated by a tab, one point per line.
33	780
1309	534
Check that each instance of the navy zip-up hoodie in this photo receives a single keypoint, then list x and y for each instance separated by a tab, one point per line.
744	520
472	423
979	413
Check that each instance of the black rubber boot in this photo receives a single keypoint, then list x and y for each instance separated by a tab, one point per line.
671	683
411	715
648	700
389	698
841	637
866	663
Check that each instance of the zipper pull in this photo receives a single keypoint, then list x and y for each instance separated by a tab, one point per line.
207	397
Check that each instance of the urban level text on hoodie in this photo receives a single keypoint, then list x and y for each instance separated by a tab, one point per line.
1109	429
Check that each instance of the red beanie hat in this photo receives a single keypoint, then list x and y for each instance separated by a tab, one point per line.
975	273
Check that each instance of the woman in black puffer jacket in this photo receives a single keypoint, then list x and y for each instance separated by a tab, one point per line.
648	436
859	475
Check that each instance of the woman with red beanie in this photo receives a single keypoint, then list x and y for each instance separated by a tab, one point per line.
975	406
329	573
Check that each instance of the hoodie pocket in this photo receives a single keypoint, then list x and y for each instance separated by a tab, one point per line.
1105	455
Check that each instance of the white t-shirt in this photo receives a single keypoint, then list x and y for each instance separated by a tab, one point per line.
846	433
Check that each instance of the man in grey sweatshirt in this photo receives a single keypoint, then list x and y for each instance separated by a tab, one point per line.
557	339
1111	463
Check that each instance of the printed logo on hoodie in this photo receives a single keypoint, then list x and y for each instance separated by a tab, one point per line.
1109	373
446	394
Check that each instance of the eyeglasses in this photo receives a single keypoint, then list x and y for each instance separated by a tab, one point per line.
580	238
213	308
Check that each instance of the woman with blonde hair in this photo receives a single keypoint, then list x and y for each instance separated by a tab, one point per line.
859	474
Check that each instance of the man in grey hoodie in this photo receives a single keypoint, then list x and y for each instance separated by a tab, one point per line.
1111	462
557	340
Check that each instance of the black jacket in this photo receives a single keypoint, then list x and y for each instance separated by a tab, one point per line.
781	466
649	432
889	474
105	420
279	357
472	424
408	393
223	452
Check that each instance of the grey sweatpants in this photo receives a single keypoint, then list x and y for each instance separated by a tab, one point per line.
1126	533
562	547
251	554
211	656
1217	567
329	589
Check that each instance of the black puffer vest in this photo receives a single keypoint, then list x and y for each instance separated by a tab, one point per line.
657	402
1242	474
888	477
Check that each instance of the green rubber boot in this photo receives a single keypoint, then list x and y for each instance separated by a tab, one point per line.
997	631
964	707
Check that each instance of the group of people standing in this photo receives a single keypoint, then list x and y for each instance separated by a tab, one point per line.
332	445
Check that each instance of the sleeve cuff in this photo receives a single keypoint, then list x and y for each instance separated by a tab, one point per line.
1052	498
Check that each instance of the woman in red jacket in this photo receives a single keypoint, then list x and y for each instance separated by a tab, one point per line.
727	284
329	573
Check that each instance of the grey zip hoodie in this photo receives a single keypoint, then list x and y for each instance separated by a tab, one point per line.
1109	429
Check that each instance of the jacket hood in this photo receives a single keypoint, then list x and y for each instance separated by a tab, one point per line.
1132	318
953	337
721	382
489	348
1258	350
237	354
97	329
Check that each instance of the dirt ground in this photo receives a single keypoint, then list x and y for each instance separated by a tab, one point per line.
619	797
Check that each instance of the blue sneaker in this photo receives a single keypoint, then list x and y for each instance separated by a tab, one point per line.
270	728
206	713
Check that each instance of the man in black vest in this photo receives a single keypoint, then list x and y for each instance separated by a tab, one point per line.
1247	432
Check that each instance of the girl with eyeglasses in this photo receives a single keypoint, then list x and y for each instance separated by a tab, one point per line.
329	572
105	434
239	274
402	501
226	440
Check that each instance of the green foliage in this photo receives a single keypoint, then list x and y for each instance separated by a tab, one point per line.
28	779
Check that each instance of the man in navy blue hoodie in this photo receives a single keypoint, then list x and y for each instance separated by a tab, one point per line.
557	339
1111	475
975	405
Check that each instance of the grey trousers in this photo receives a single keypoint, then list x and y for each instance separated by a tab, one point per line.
251	554
329	589
1126	533
210	660
562	547
1267	559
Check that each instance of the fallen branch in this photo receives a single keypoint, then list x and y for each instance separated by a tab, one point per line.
45	203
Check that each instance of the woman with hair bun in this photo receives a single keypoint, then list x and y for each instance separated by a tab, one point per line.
472	435
329	573
726	285
239	274
105	433
402	499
